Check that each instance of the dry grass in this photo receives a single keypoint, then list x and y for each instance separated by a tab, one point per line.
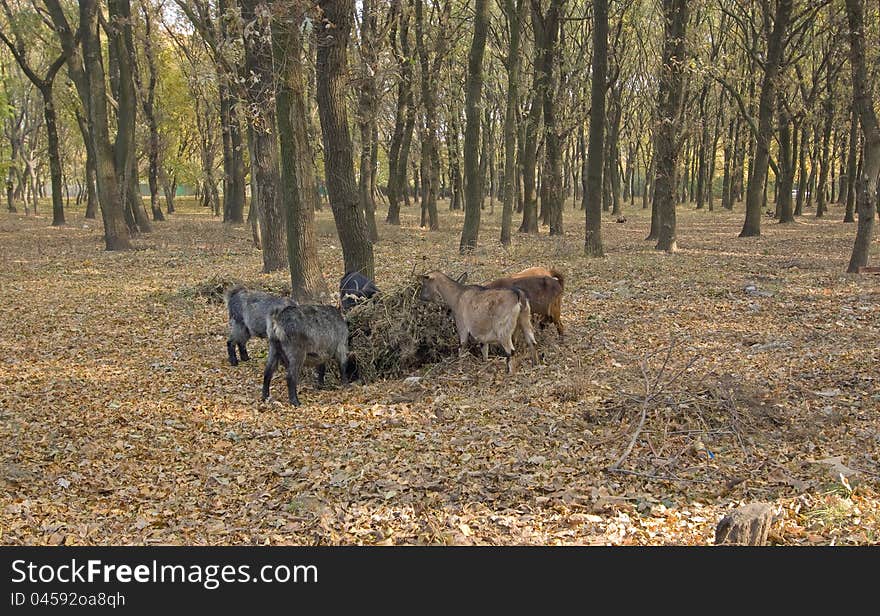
121	422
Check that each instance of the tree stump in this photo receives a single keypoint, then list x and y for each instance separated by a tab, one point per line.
746	525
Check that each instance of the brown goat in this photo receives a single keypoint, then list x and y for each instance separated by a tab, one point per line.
540	271
489	315
544	292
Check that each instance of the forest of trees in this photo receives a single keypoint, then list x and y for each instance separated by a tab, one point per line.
561	111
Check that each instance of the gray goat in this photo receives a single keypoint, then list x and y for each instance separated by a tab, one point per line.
248	311
301	335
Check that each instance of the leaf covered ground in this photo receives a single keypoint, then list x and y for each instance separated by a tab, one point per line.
736	370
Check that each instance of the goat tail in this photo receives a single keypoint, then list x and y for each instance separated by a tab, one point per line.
524	323
525	315
233	303
233	290
274	329
558	276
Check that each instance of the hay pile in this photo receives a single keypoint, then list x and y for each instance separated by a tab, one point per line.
394	333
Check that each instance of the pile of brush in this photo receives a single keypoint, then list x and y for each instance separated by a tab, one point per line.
394	333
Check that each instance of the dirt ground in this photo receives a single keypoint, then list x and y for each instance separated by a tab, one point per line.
735	371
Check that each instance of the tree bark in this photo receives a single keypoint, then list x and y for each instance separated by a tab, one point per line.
786	168
824	161
332	65
148	103
404	119
121	47
430	163
866	185
670	97
852	155
234	183
514	11
116	235
529	158
298	193
760	165
366	118
264	164
473	191
596	147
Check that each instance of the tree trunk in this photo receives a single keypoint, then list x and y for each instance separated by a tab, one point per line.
234	183
866	186
148	104
473	191
596	147
264	164
758	173
332	67
121	47
116	235
825	161
802	170
849	187
546	29
613	160
298	191
54	155
366	118
786	168
530	158
514	11
670	95
430	175
404	119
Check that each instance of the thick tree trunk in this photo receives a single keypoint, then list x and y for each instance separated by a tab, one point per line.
404	119
473	191
758	173
116	235
670	95
234	183
366	118
264	164
546	29
596	148
121	45
54	155
332	66
430	173
866	186
514	11
298	192
786	169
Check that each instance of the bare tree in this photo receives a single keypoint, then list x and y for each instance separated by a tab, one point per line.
333	32
866	185
667	139
473	92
